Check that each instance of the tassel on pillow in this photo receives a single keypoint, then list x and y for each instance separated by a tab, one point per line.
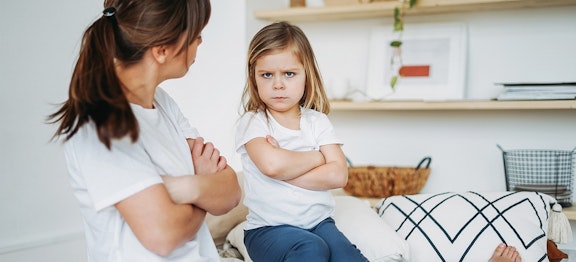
559	229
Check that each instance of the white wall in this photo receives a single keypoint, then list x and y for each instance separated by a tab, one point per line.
210	93
38	46
39	219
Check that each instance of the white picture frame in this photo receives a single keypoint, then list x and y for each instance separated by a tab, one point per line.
441	47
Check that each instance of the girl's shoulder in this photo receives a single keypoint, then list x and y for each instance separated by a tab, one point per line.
252	115
312	114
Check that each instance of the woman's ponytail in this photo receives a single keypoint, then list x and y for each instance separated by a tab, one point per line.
95	92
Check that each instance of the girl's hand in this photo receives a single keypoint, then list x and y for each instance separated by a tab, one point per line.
272	141
205	157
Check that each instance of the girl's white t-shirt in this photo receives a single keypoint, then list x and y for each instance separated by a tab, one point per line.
100	178
273	202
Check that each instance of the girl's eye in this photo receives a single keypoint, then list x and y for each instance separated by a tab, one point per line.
289	74
267	75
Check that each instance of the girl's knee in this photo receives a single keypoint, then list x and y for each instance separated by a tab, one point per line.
309	249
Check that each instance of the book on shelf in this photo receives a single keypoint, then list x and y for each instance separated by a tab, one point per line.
538	91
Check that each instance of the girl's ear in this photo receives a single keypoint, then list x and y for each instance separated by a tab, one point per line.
159	53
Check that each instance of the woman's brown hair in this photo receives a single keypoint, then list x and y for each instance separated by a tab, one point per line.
123	34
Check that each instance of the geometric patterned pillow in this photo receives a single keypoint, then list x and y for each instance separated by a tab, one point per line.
468	226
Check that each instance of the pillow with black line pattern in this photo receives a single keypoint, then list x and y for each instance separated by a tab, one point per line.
468	226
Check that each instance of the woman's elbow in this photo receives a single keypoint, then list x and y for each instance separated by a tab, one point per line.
235	195
230	203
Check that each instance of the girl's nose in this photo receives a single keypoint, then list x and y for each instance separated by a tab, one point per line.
278	83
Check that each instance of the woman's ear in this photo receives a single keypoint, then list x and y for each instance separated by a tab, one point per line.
159	53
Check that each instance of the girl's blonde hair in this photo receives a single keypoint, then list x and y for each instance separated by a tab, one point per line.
280	36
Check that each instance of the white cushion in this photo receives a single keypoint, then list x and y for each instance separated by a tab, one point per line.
360	224
236	239
468	226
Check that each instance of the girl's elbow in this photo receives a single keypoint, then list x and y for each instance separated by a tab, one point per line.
342	182
270	171
160	246
164	251
342	178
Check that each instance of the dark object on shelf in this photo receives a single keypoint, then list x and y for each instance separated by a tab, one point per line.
383	181
297	3
538	91
546	171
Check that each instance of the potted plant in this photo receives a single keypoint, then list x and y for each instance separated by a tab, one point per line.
396	57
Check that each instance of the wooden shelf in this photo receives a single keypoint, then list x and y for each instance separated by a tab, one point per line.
385	9
453	105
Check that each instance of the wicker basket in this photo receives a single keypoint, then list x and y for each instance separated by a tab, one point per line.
373	181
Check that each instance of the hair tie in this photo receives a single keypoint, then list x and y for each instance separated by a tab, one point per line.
108	12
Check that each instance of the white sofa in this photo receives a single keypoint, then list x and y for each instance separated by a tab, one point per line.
448	226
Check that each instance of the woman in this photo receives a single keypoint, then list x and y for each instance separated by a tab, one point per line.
144	178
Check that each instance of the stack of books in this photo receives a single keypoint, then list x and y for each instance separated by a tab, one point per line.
538	91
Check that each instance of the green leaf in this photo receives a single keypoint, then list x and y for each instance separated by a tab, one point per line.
398	23
396	43
412	3
393	81
398	26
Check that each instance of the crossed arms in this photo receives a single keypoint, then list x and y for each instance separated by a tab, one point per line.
313	170
165	216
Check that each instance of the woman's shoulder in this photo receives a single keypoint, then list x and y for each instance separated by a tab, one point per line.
165	101
162	96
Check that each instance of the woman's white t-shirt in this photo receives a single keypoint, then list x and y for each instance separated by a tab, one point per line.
100	178
273	202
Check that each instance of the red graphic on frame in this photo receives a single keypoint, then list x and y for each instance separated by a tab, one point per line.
415	71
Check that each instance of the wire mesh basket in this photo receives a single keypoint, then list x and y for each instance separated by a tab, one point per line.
546	171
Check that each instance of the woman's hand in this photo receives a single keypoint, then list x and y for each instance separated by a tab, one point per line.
217	193
205	157
214	188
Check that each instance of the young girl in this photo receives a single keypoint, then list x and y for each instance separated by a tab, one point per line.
290	153
130	152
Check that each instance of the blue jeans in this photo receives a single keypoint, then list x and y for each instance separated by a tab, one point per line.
324	242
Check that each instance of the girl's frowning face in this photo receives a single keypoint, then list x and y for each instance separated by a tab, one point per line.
280	79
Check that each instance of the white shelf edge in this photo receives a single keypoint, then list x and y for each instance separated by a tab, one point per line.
454	105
